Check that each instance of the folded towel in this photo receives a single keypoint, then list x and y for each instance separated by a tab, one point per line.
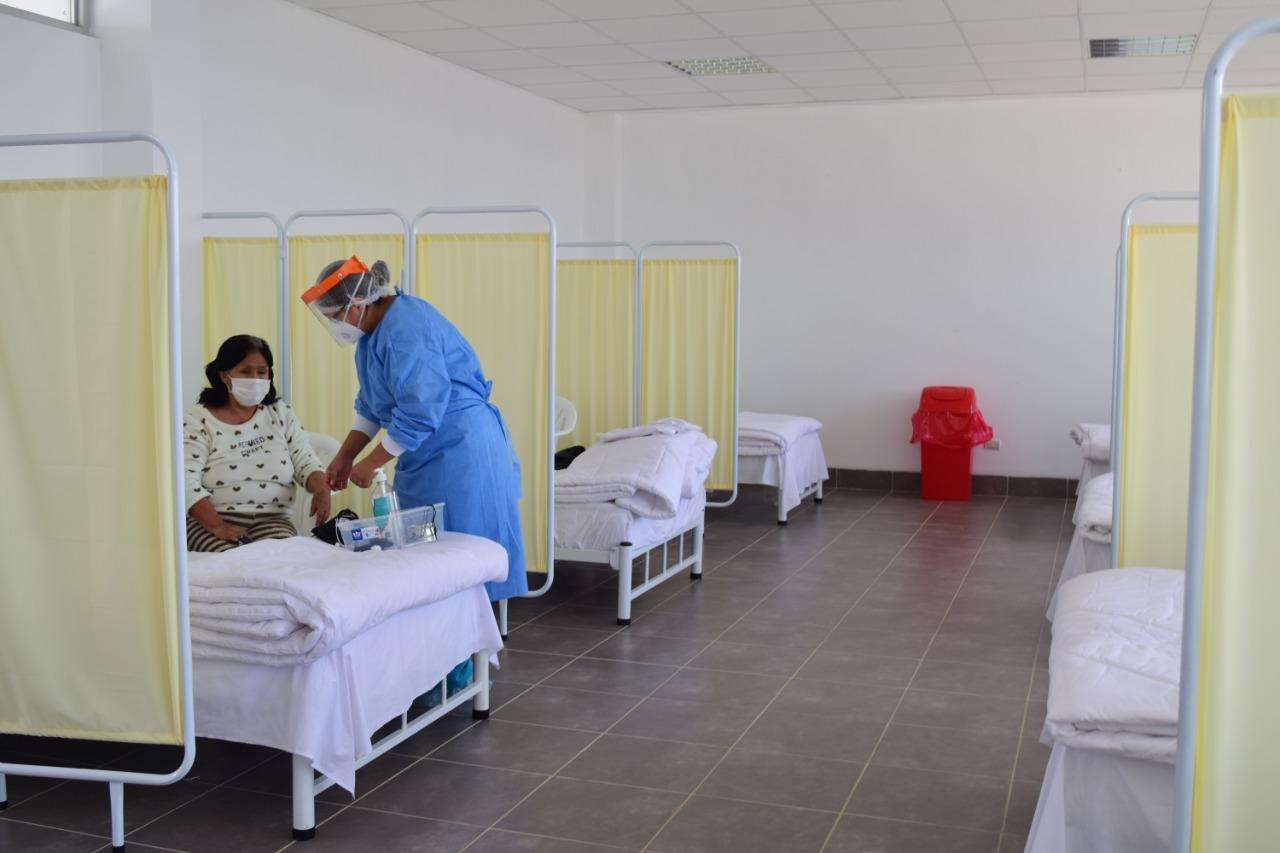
282	602
646	475
666	426
1093	508
1094	441
761	434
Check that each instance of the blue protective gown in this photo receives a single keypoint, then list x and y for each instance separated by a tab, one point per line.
422	382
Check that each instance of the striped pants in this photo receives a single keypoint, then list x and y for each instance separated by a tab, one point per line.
259	526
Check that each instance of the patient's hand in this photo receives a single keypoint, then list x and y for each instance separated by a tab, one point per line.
228	531
320	501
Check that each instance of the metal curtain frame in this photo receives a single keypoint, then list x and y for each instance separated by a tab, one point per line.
284	358
406	262
636	317
1206	261
116	779
1120	339
737	331
551	372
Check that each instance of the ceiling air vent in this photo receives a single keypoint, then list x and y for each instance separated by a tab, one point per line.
720	65
1141	46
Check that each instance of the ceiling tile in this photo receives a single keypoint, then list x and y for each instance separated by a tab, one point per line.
398	16
888	13
662	28
1032	29
853	93
591	105
987	10
934	74
629	71
1262	53
550	35
919	56
1048	85
729	5
591	10
590	89
706	99
837	77
1089	7
697	49
816	61
325	4
449	41
536	76
944	90
1248	77
590	55
1139	65
746	82
797	19
888	38
1230	20
1033	70
819	42
1224	4
659	86
1118	82
791	96
1142	24
488	60
497	13
1028	51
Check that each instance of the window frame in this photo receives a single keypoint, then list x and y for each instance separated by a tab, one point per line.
80	9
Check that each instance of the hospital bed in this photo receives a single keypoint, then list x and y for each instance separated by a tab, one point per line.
1090	549
1112	715
795	466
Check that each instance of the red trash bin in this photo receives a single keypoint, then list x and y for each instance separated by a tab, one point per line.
948	426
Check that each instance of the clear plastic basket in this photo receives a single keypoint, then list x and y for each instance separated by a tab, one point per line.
401	529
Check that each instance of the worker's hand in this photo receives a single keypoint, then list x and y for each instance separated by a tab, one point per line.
320	502
362	473
338	472
228	531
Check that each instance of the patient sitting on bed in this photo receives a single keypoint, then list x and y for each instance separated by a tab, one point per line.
244	454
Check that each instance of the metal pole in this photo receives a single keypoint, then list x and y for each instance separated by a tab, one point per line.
284	357
178	518
551	360
737	336
1117	356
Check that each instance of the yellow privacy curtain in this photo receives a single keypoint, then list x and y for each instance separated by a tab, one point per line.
687	357
494	288
241	291
1156	411
595	310
88	621
1237	752
324	373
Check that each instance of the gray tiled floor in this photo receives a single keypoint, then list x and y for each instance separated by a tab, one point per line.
869	678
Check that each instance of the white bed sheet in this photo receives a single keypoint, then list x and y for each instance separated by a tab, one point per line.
602	526
328	709
804	465
1092	802
1083	557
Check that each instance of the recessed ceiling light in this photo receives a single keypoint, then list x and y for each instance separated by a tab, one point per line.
1141	46
720	65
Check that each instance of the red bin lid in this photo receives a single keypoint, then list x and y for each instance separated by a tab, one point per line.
948	398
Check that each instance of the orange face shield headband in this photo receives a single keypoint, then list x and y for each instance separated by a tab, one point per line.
351	266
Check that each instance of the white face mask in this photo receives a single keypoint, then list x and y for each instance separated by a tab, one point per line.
345	333
249	392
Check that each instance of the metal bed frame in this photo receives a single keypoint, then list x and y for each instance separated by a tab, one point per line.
1193	596
550	497
116	779
1119	339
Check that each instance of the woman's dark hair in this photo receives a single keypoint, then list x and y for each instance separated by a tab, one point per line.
232	352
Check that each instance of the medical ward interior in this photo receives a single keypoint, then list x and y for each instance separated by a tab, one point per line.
699	426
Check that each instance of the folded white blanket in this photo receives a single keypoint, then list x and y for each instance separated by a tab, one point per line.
698	467
1093	508
1114	663
646	475
762	434
283	602
666	426
1094	441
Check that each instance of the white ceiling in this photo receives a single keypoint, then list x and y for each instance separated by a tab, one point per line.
597	55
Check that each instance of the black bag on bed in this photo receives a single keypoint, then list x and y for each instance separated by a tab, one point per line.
566	456
328	532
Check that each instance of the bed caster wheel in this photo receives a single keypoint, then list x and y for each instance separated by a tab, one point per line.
304	834
116	849
817	500
782	524
624	622
506	637
4	804
477	714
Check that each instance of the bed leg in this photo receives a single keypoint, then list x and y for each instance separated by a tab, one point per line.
696	574
817	498
115	790
480	704
304	799
4	795
502	618
624	583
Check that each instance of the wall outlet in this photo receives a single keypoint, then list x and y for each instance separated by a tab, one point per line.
993	444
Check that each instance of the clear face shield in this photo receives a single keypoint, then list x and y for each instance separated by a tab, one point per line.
340	299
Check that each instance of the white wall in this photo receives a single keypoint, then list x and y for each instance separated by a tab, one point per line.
892	246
